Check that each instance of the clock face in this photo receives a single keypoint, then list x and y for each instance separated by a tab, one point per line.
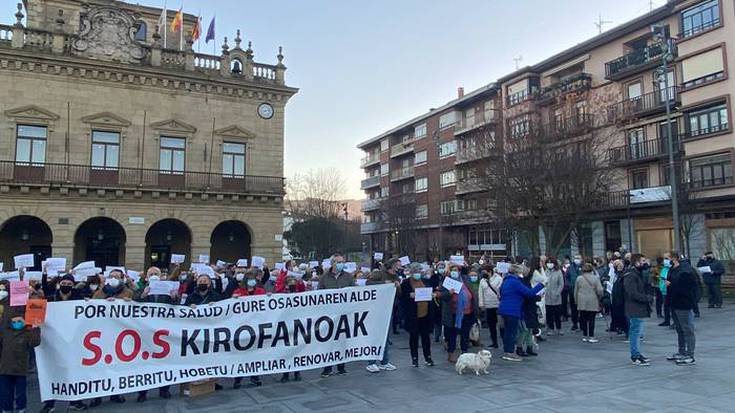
265	111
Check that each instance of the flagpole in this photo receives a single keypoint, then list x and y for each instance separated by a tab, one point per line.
165	24
199	27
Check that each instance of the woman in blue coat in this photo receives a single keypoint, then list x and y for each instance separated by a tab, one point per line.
513	293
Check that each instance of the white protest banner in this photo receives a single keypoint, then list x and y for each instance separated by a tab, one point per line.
452	284
114	347
177	258
162	287
204	259
423	294
502	267
258	262
55	265
378	256
23	261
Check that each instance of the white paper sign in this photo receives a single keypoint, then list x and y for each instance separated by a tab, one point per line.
162	287
10	276
502	267
452	284
110	268
55	265
326	264
242	262
313	264
280	266
133	275
198	267
204	259
258	262
33	275
295	274
350	267
365	270
405	261
378	256
705	269
85	264
361	282
83	273
457	259
23	261
423	294
177	258
221	263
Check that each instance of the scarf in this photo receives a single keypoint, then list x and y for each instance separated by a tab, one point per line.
461	303
422	307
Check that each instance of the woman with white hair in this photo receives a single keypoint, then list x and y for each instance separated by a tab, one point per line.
418	315
512	295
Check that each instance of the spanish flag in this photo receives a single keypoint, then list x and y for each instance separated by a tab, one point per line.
178	21
196	31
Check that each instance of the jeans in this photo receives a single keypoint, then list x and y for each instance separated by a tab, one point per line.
510	333
468	320
385	359
491	315
635	334
12	388
437	332
714	294
553	317
684	323
423	331
587	323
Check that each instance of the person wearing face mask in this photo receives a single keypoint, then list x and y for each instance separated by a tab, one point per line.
248	284
488	300
513	294
618	320
292	284
15	339
552	298
458	314
114	288
418	315
335	277
637	307
587	295
203	293
436	280
663	276
574	270
388	275
712	279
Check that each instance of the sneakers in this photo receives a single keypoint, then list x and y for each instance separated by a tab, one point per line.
664	324
675	357
550	333
686	361
341	371
326	373
387	367
415	362
372	368
640	361
429	362
46	409
585	339
511	357
593	340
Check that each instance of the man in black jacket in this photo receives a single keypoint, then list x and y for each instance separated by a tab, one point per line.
637	306
683	290
713	278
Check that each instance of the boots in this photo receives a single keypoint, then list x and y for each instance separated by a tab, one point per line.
530	352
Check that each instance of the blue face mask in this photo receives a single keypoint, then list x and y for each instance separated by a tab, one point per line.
473	278
667	263
454	274
252	283
17	325
339	266
427	276
417	277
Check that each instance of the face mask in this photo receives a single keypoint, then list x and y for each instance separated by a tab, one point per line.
440	270
417	277
65	289
113	282
577	262
473	278
339	266
454	274
154	278
182	277
93	287
3	294
549	265
667	262
17	325
427	276
252	283
202	287
240	277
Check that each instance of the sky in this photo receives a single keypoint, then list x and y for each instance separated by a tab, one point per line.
363	67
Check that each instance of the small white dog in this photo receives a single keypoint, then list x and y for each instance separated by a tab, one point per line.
479	362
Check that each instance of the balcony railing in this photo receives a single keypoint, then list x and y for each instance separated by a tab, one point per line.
371	204
474	153
704	132
136	178
469	185
403	173
368	227
401	149
369	160
635	61
480	119
576	83
644	105
567	127
370	182
638	152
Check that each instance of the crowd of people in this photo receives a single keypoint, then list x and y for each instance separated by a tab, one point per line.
520	301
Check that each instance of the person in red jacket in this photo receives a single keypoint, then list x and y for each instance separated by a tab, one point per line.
247	287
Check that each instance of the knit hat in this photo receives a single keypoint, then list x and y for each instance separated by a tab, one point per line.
68	277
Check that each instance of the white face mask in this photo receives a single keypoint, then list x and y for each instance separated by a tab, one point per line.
154	278
113	282
550	265
577	261
3	294
93	287
240	277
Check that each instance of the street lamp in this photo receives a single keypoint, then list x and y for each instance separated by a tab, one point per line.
661	37
435	138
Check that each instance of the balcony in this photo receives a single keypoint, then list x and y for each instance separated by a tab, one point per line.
370	161
371	204
469	185
645	105
636	61
401	149
567	127
578	83
370	227
370	182
16	173
488	117
474	153
712	130
400	174
638	152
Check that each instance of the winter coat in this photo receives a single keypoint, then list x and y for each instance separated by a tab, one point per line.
384	277
243	292
684	289
281	286
572	273
554	287
530	308
330	281
449	304
588	292
512	295
718	270
637	303
410	306
489	292
121	293
198	298
15	346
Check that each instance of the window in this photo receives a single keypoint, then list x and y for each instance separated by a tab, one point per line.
580	111
384	191
662	83
233	160
384	145
706	121
172	155
30	144
419	131
448	207
636	143
469	117
447	178
702	68
519	126
447	120
447	149
384	169
422	184
489	110
422	211
420	158
105	149
701	17
710	170
663	133
518	92
635	90
639	179
142	31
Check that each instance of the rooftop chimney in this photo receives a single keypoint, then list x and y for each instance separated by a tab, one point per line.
460	92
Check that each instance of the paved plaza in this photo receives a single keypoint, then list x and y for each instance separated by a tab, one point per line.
568	376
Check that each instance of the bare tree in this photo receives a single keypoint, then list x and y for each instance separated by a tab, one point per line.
399	214
315	193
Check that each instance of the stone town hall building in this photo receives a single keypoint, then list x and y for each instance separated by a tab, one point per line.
117	149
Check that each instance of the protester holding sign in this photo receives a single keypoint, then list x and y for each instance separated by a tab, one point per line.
335	277
16	341
458	315
203	293
115	288
388	275
512	296
419	315
488	301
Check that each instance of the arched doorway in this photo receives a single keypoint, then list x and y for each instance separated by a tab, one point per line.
25	234
101	240
166	237
230	241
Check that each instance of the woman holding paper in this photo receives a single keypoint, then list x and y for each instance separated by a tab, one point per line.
458	311
416	301
512	296
489	299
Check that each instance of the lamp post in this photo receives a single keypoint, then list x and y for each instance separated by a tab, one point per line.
666	42
435	138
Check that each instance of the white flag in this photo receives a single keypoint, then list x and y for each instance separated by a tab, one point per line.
163	24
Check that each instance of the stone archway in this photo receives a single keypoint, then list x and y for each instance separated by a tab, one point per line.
230	240
25	234
101	240
164	238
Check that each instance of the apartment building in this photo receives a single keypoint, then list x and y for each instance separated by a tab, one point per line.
612	85
124	148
